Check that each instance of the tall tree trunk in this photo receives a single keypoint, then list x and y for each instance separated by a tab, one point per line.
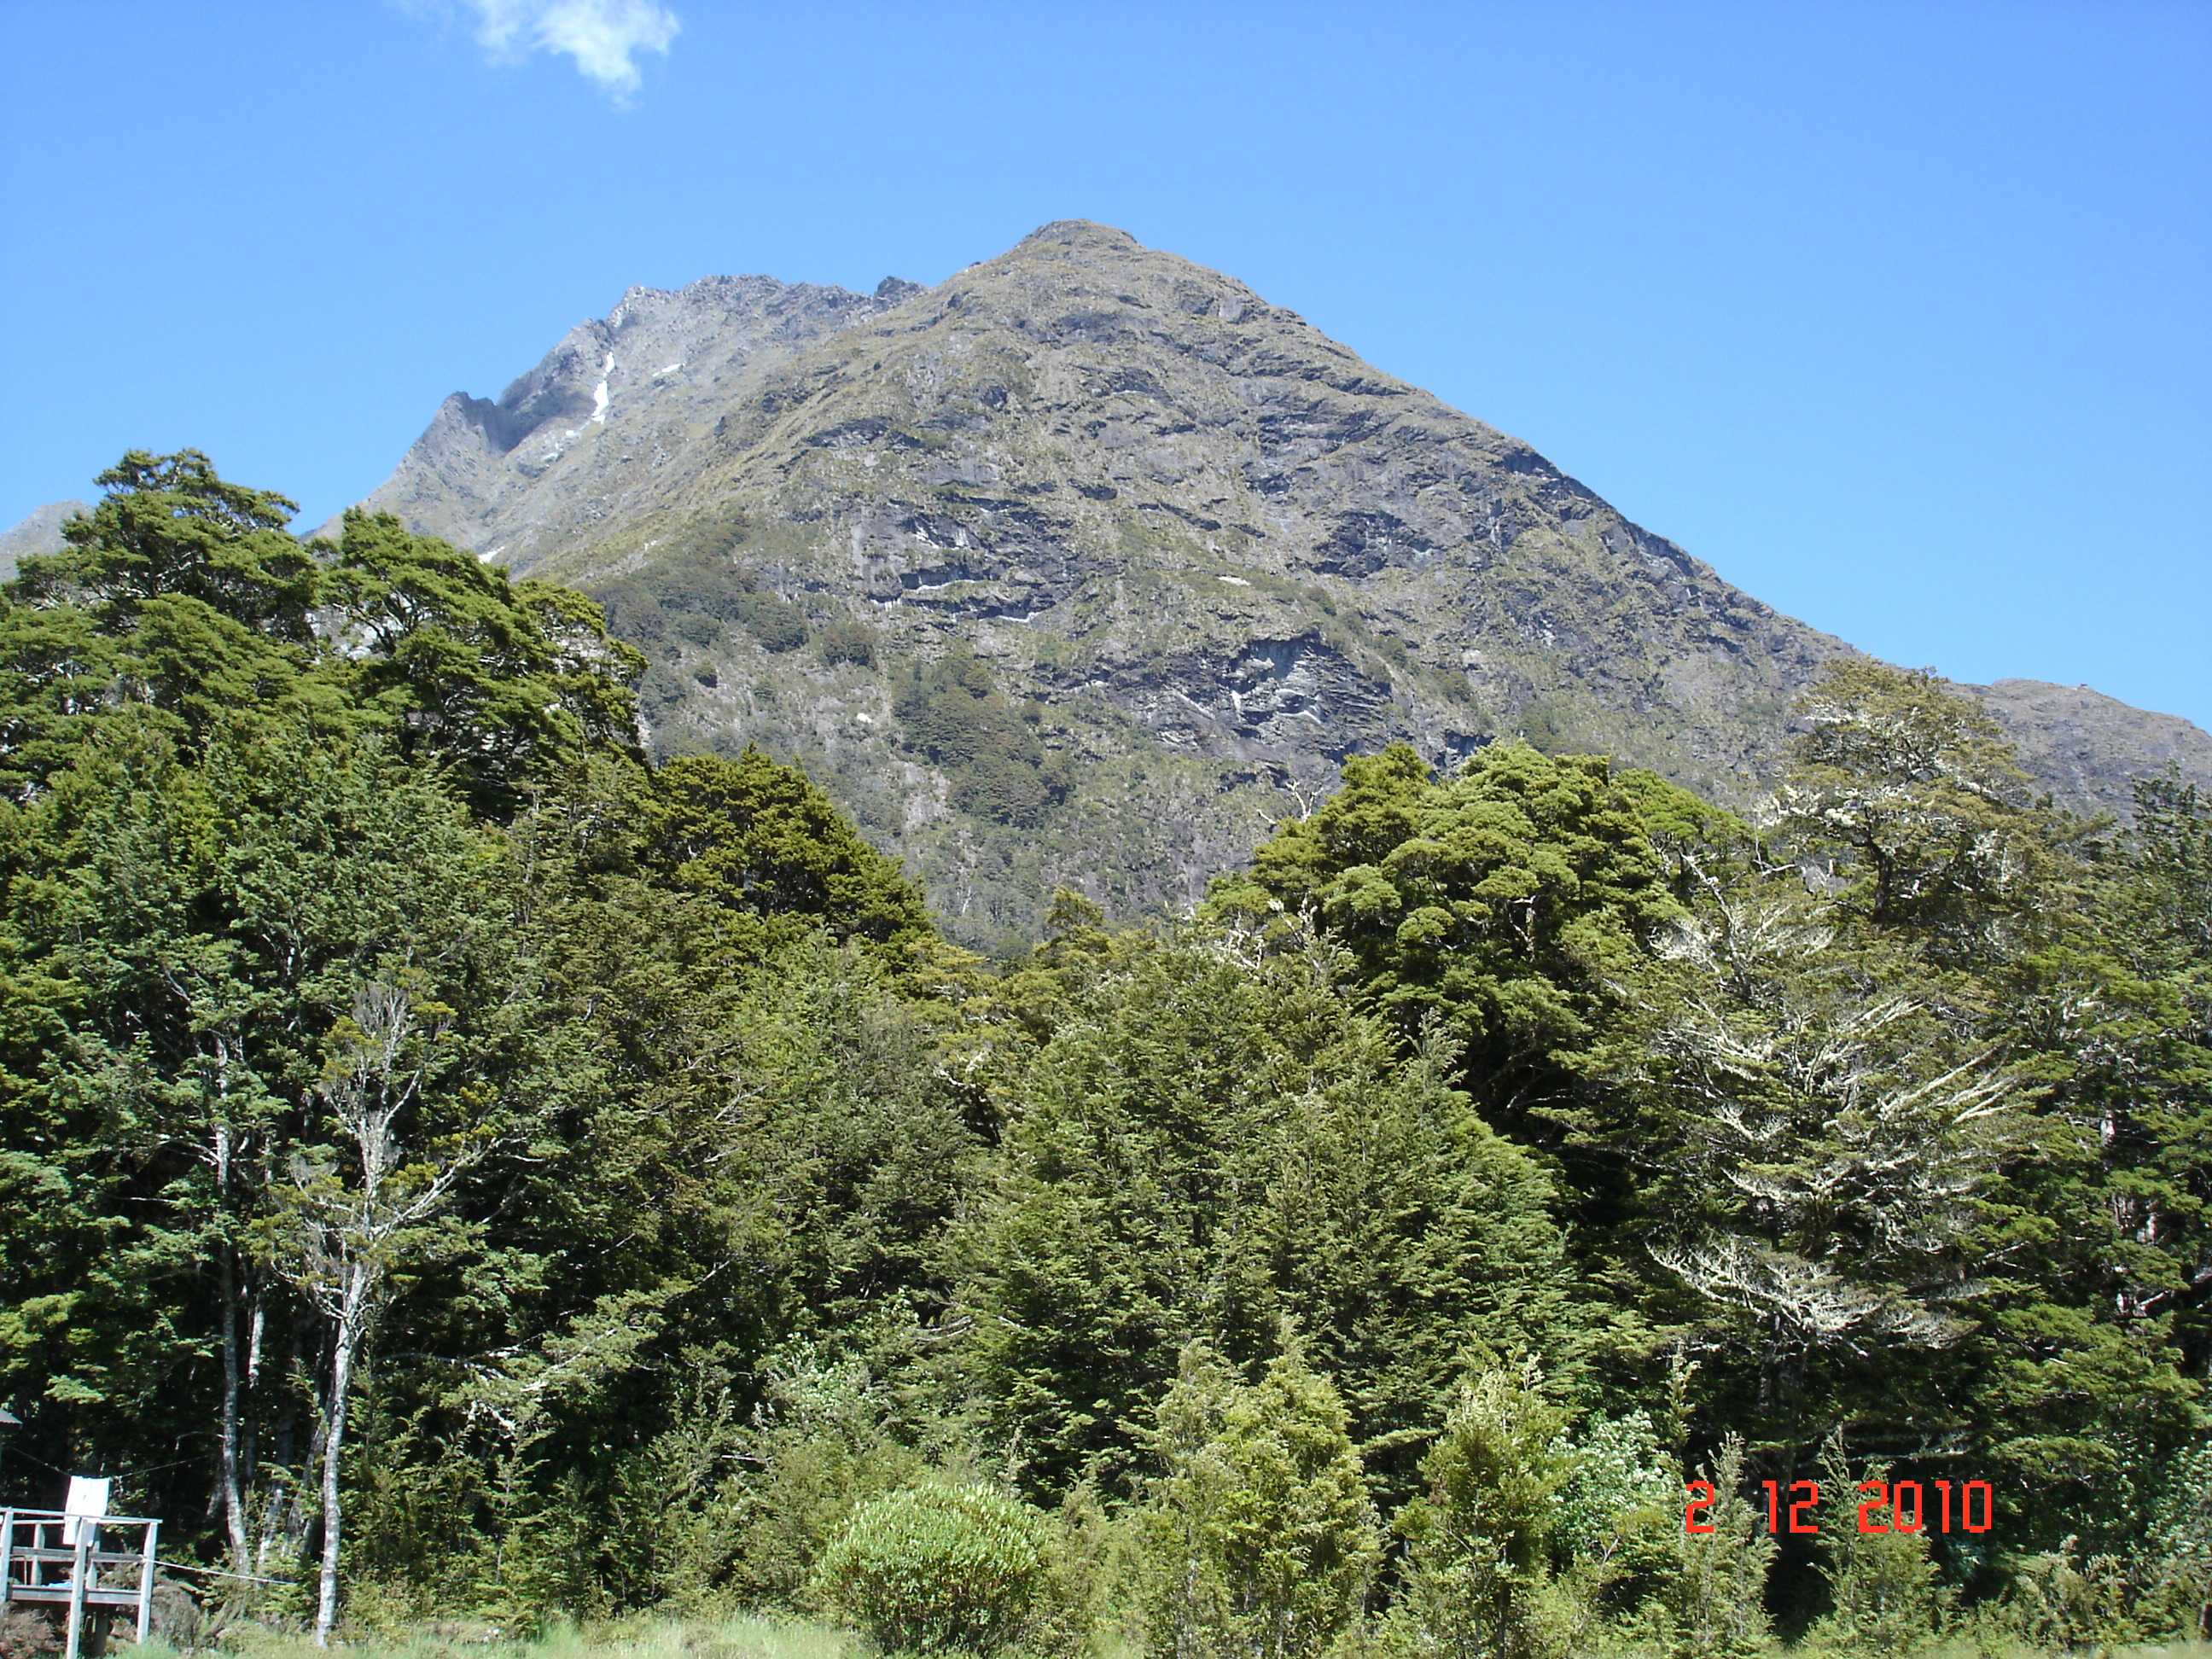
226	1457
343	1344
227	1478
249	1441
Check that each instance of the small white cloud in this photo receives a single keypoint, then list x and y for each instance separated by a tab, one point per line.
603	37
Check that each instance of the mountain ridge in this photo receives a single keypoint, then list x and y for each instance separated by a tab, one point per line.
39	530
1199	550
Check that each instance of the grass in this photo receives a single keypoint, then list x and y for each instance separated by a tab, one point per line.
759	1636
747	1636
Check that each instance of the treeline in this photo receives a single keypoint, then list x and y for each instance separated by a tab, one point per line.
448	1162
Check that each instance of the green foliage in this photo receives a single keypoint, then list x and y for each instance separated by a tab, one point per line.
180	603
760	839
2065	1599
847	641
1911	794
776	622
1885	1591
605	1175
168	528
1258	1535
1825	1138
952	712
1210	1141
2097	1335
820	1446
1477	1575
1711	1599
673	1524
2179	1543
1620	1500
701	582
1503	900
508	683
936	1569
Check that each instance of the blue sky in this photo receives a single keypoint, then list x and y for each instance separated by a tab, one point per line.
1896	314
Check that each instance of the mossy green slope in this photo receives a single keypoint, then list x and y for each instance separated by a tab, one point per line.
1185	545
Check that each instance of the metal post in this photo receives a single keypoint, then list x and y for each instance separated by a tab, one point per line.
78	1567
146	1582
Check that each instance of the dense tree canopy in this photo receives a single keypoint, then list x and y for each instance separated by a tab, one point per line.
448	1154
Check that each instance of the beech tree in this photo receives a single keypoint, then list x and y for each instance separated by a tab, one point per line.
440	1148
1214	1140
1502	900
1912	803
1815	1136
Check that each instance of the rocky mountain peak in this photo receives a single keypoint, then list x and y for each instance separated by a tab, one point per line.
1079	233
39	531
650	375
1176	549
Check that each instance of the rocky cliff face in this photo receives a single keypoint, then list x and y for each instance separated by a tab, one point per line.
1085	565
518	477
40	531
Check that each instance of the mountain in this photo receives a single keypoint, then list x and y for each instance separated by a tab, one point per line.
539	469
39	532
1086	565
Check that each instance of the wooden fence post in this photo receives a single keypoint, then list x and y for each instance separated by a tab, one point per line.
80	1566
146	1582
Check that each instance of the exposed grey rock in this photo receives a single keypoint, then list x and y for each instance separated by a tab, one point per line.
1207	547
2086	747
39	532
620	406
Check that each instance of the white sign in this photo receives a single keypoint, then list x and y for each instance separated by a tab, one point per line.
87	1501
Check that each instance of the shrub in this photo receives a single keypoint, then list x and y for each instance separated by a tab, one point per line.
847	642
2180	1566
777	623
1711	1595
2064	1599
1887	1594
1258	1535
1478	1583
953	713
27	1633
820	1447
938	1569
697	627
1621	1501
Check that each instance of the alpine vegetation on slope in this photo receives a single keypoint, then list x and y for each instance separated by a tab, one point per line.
456	1166
1199	550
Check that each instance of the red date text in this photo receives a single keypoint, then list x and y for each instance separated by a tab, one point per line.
1907	1506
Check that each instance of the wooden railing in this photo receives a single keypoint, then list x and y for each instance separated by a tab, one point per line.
76	1561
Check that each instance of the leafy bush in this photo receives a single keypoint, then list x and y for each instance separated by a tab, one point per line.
954	712
2181	1542
1477	1576
1711	1598
777	623
2064	1599
1621	1500
1888	1596
696	585
674	1523
820	1447
847	642
1258	1535
697	628
938	1569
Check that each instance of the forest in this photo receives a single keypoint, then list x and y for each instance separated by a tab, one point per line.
454	1163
